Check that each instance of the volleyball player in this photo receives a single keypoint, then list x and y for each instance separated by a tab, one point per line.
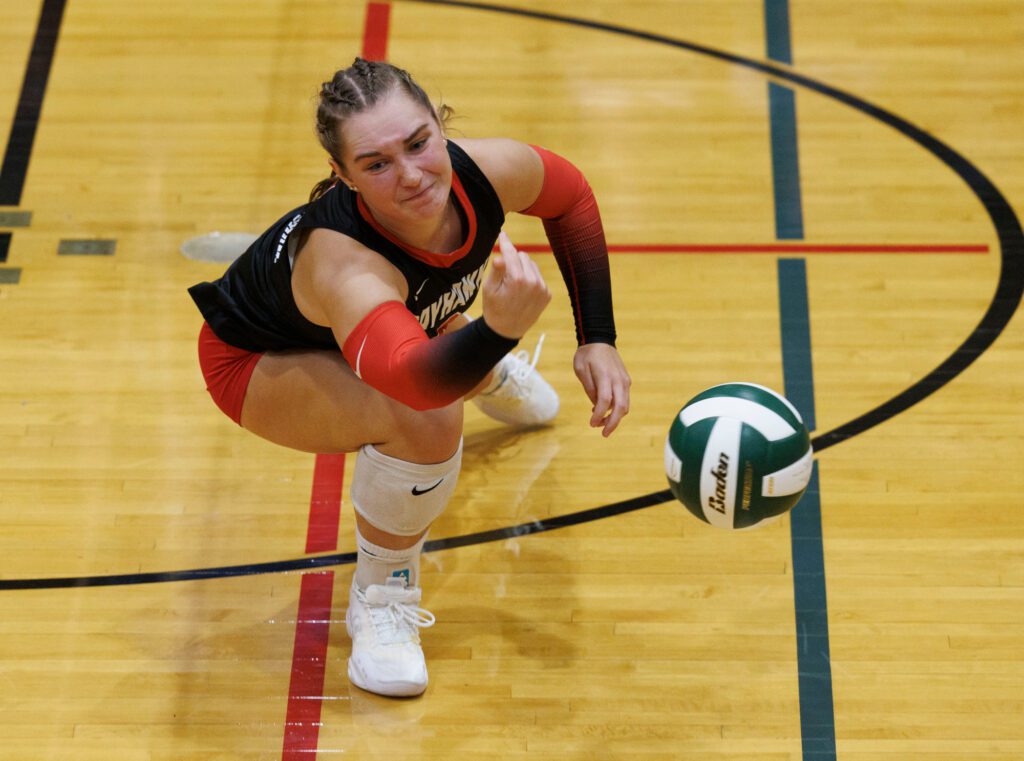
343	328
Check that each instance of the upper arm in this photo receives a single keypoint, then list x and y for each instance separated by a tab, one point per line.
337	281
513	168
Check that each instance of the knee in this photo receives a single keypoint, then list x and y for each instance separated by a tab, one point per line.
427	436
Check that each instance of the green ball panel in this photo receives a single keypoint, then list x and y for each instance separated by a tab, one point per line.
751	393
688	443
761	458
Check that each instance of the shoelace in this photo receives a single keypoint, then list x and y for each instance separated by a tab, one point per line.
524	368
394	620
511	385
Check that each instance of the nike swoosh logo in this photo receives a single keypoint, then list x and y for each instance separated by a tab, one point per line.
359	358
420	289
417	491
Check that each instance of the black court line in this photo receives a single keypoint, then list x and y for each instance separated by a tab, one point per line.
30	103
345	558
1004	303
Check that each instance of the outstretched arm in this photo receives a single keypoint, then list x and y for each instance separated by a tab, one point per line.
572	222
535	181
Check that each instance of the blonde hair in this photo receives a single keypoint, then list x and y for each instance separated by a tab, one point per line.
353	90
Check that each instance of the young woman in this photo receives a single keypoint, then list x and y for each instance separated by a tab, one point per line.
343	328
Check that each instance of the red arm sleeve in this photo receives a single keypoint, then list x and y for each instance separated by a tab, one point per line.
390	351
573	226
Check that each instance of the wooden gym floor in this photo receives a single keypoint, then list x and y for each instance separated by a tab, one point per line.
818	197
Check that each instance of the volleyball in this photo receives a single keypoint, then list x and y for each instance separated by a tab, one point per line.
738	455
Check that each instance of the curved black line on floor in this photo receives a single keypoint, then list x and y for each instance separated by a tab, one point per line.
1004	303
345	558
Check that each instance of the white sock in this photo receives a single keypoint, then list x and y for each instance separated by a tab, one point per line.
376	564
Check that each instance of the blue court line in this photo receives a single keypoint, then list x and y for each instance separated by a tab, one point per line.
776	30
789	221
789	217
814	667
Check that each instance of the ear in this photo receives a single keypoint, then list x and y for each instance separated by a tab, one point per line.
336	168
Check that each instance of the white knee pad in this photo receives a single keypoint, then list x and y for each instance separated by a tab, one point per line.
400	497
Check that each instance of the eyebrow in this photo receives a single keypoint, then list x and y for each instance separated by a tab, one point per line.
413	134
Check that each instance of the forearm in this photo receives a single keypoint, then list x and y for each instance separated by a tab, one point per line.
572	222
389	351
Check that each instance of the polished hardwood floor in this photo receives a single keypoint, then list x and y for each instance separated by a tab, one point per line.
641	635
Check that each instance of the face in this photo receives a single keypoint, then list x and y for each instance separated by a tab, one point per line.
395	155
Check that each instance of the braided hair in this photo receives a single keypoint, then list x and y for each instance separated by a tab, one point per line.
354	90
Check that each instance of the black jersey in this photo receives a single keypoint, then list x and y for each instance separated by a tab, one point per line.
252	307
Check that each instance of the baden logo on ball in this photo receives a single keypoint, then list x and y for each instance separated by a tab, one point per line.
738	455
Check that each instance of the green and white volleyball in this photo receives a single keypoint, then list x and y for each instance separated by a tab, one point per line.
738	455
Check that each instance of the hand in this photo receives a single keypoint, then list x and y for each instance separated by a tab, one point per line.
603	375
515	293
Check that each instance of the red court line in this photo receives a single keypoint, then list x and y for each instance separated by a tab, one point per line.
777	248
325	503
312	625
309	660
375	31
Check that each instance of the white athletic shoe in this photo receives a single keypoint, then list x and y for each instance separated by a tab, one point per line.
384	623
522	396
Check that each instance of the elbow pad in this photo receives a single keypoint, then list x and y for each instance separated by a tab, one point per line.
390	351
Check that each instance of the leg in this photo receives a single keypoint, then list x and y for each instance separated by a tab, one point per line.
406	471
313	402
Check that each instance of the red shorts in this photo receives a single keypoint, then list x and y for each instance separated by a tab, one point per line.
227	370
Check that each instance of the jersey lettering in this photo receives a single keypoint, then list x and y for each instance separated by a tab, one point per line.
459	296
284	236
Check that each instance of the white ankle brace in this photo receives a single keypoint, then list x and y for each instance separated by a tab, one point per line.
376	564
399	497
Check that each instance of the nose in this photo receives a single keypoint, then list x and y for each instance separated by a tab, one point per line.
409	173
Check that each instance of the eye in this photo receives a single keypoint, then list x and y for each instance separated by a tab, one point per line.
376	166
418	145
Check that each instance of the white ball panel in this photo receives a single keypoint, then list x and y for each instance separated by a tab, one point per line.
791	479
769	424
719	472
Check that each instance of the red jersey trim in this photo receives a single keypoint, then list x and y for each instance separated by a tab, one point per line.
429	257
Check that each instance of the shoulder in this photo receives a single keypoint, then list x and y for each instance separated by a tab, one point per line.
329	255
336	279
513	168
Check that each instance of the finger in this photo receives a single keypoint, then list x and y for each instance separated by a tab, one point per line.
512	256
619	410
505	244
514	265
603	403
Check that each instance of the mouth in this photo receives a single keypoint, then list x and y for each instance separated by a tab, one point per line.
418	194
